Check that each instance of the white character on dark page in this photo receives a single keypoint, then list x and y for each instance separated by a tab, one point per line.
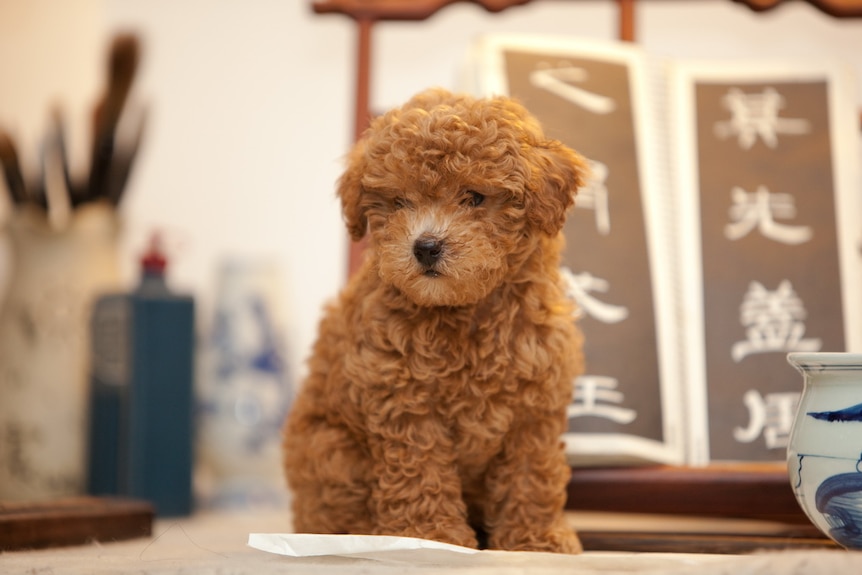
759	210
594	196
773	322
755	115
579	287
560	81
770	416
598	396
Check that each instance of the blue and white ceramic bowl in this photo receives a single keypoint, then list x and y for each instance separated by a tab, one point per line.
824	457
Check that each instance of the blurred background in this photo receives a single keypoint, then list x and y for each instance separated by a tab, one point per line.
250	111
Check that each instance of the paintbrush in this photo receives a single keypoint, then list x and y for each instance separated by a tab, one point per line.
56	193
12	169
57	141
122	66
127	150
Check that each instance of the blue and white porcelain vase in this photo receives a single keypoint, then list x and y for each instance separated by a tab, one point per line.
244	391
824	456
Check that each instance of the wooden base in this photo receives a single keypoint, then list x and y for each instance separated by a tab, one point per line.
72	522
720	492
720	543
746	491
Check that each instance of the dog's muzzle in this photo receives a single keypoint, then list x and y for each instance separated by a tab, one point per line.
428	252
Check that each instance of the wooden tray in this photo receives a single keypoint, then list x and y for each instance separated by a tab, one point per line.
72	522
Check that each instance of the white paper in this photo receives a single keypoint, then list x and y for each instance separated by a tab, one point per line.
410	555
316	545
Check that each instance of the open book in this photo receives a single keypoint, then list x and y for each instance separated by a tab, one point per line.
720	230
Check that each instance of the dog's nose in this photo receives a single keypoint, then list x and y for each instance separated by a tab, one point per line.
427	251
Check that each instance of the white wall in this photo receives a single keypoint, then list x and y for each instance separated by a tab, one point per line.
251	107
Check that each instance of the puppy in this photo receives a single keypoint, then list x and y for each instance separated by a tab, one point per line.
440	377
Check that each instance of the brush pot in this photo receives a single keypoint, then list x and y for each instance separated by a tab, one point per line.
55	274
824	456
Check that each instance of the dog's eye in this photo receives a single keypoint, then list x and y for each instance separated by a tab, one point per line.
473	199
399	203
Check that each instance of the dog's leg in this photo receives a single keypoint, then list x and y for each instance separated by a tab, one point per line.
526	491
327	471
418	490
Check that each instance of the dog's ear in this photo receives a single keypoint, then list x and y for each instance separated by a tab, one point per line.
350	192
558	173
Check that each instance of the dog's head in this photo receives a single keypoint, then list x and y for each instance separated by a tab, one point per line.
455	192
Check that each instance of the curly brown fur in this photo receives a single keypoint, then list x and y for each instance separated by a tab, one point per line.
440	378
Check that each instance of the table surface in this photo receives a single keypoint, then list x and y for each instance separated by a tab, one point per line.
216	542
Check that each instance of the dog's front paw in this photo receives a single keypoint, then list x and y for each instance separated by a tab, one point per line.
563	541
462	535
559	539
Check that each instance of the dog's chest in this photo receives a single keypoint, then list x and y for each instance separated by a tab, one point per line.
470	369
467	370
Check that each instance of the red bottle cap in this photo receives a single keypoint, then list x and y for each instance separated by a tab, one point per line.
154	259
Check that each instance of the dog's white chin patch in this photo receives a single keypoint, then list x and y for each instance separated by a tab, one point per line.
443	290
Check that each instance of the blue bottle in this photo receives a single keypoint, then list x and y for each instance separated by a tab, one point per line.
141	418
